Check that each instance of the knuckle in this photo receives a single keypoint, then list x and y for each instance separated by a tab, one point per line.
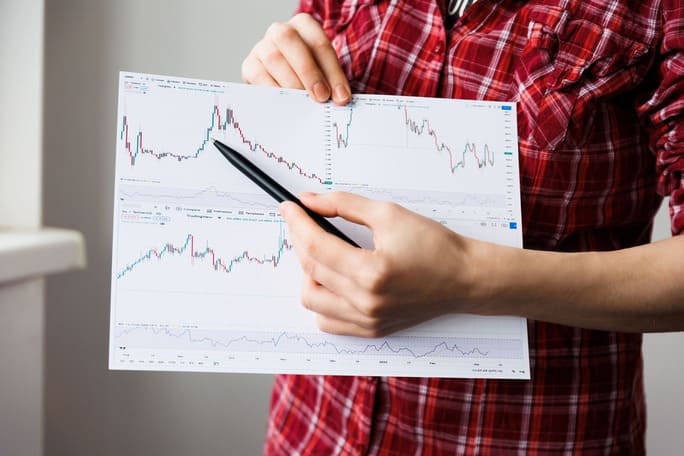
370	323
376	278
335	197
388	210
280	31
326	325
323	324
309	69
373	333
321	44
270	55
272	29
301	18
248	69
306	71
308	265
309	246
371	309
307	300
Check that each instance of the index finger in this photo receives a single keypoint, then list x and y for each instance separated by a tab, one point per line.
325	55
298	59
320	245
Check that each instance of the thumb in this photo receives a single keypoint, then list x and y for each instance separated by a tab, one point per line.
349	206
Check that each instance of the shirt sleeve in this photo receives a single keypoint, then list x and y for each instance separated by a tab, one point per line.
663	112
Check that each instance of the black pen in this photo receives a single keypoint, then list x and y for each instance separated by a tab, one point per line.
277	191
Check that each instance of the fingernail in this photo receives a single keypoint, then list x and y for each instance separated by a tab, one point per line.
321	91
308	195
341	93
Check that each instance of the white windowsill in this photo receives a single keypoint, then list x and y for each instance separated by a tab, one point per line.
34	253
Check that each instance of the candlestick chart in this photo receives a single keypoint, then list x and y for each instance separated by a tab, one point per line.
165	134
207	254
470	152
218	124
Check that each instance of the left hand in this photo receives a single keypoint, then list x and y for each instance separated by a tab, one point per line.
419	269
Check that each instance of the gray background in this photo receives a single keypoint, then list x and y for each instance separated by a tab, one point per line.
90	410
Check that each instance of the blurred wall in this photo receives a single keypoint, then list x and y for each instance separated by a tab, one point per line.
21	85
90	410
21	302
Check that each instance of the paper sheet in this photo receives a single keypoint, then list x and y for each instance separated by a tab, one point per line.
204	277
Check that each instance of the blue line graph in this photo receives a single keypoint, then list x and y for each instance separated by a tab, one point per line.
343	138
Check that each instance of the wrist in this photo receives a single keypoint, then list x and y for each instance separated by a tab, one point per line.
513	281
490	277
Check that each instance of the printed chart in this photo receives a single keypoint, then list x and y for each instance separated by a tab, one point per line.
204	276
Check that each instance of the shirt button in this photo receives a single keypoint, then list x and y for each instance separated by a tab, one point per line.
439	47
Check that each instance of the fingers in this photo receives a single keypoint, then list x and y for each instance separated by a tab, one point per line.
370	293
346	328
315	248
349	206
266	63
319	299
298	54
333	281
271	58
253	72
325	56
336	314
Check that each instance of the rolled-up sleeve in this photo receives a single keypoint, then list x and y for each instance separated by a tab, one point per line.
663	111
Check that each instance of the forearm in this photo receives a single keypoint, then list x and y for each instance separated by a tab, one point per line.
640	289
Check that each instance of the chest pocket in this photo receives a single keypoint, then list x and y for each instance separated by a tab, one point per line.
567	66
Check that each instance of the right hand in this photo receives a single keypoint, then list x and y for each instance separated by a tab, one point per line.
298	55
417	270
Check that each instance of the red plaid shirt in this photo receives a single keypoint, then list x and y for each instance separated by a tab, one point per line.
600	93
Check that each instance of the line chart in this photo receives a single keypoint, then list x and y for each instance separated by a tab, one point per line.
210	196
408	197
289	342
204	275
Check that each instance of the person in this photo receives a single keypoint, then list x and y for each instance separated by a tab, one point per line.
599	88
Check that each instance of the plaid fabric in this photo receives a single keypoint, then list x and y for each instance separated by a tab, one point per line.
600	92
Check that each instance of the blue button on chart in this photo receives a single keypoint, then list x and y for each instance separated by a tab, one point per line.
506	108
513	225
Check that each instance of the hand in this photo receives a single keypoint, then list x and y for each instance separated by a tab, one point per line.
298	55
419	269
